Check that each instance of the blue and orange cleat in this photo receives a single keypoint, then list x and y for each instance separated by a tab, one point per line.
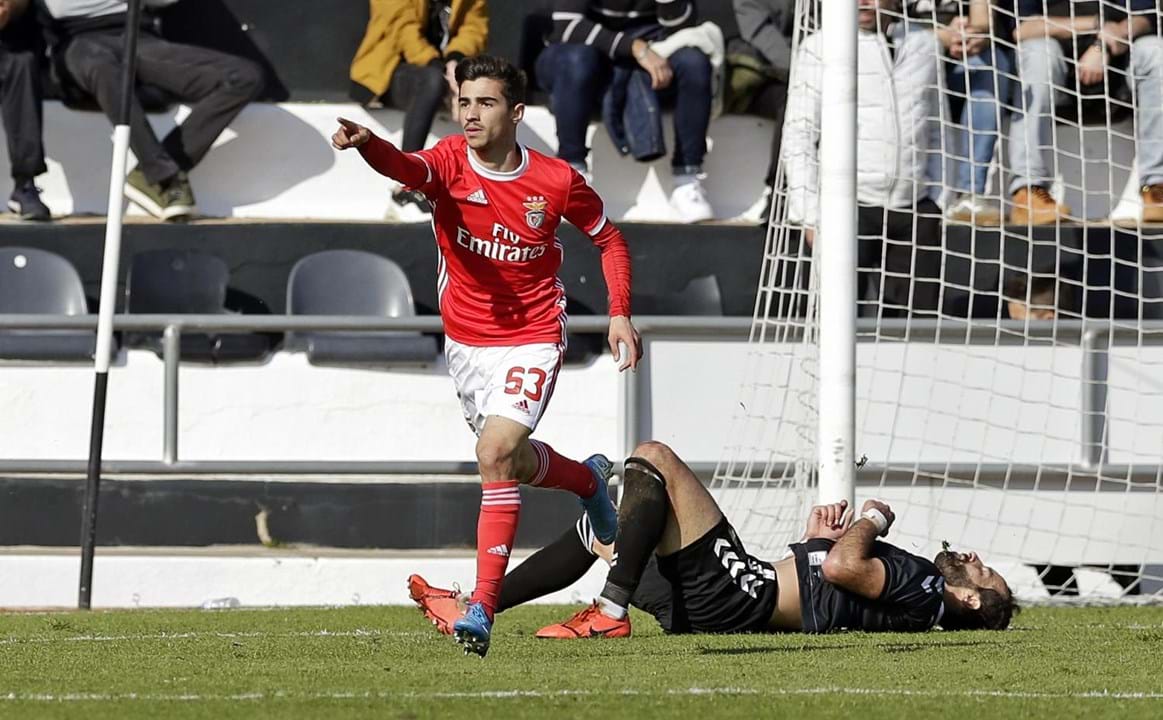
600	509
474	630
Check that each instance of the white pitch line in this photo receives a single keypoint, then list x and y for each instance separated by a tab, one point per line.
518	694
359	632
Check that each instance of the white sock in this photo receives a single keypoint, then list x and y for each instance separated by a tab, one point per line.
680	180
611	609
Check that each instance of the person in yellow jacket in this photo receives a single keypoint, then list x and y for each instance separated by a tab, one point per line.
408	59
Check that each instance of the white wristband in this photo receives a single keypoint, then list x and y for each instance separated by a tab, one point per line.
877	518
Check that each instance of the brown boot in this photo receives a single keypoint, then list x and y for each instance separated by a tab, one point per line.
1034	205
1152	203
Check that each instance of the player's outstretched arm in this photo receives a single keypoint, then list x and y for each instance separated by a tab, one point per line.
850	564
384	157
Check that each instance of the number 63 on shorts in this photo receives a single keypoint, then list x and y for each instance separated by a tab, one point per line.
515	381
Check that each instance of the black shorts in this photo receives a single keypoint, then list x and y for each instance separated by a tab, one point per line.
711	586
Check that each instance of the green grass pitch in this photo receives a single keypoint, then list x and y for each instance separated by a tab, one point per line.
371	662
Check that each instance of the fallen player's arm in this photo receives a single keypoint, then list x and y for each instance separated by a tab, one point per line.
850	563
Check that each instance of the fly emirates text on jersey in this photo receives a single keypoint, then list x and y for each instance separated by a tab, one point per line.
497	248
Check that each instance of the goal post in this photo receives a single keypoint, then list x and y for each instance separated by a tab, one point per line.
1005	293
837	388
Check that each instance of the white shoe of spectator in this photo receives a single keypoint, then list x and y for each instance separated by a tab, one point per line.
409	207
689	199
760	210
975	210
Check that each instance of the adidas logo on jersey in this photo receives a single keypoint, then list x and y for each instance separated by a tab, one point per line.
502	550
521	405
477	196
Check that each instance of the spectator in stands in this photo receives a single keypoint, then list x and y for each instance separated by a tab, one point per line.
409	57
1041	295
760	70
21	98
977	73
90	34
594	50
1057	38
899	225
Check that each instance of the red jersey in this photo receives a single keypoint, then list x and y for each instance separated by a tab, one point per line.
497	238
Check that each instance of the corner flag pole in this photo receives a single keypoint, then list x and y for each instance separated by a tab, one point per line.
108	300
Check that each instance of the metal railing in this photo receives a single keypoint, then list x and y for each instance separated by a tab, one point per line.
1094	337
173	326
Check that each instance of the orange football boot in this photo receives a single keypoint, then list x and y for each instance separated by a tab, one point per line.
442	607
589	623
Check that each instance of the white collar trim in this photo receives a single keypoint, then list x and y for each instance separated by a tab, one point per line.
493	174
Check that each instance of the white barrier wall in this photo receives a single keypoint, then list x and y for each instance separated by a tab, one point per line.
989	405
276	161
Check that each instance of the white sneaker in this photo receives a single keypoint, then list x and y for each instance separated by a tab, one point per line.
409	207
760	210
975	210
689	200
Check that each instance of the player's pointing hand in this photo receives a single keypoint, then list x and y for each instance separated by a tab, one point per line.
349	135
622	331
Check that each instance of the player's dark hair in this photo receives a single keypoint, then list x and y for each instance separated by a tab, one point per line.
511	77
995	613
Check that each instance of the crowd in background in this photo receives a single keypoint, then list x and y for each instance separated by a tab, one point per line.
976	65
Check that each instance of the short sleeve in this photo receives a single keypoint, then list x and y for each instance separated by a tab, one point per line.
583	207
910	580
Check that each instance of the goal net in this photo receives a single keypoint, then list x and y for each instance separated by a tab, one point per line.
1009	332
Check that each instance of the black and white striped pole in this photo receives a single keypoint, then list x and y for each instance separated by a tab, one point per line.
108	300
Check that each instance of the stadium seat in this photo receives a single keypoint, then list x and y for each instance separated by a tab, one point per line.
188	282
36	281
353	282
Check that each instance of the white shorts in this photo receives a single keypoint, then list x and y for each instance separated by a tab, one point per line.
513	381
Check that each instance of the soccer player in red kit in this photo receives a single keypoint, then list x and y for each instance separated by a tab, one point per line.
496	209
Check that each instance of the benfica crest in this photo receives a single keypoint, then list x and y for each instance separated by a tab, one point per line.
534	210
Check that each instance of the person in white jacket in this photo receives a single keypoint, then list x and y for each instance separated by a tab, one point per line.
897	93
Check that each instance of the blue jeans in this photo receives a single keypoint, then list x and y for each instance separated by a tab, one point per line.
985	80
1044	68
577	75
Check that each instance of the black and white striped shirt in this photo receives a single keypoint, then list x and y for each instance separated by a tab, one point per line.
608	25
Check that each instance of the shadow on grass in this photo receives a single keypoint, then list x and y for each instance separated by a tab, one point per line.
902	647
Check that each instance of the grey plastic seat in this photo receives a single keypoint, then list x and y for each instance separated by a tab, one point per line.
36	281
188	282
354	282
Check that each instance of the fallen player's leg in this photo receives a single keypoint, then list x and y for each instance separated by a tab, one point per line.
554	567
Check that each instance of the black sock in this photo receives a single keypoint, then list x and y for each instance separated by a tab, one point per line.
641	520
553	567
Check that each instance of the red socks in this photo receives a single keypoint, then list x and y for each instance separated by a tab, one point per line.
555	471
496	528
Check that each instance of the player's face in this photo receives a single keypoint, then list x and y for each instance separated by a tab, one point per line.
485	116
967	570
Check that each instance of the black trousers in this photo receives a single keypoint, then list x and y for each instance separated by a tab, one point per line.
217	86
771	102
899	260
418	90
21	96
